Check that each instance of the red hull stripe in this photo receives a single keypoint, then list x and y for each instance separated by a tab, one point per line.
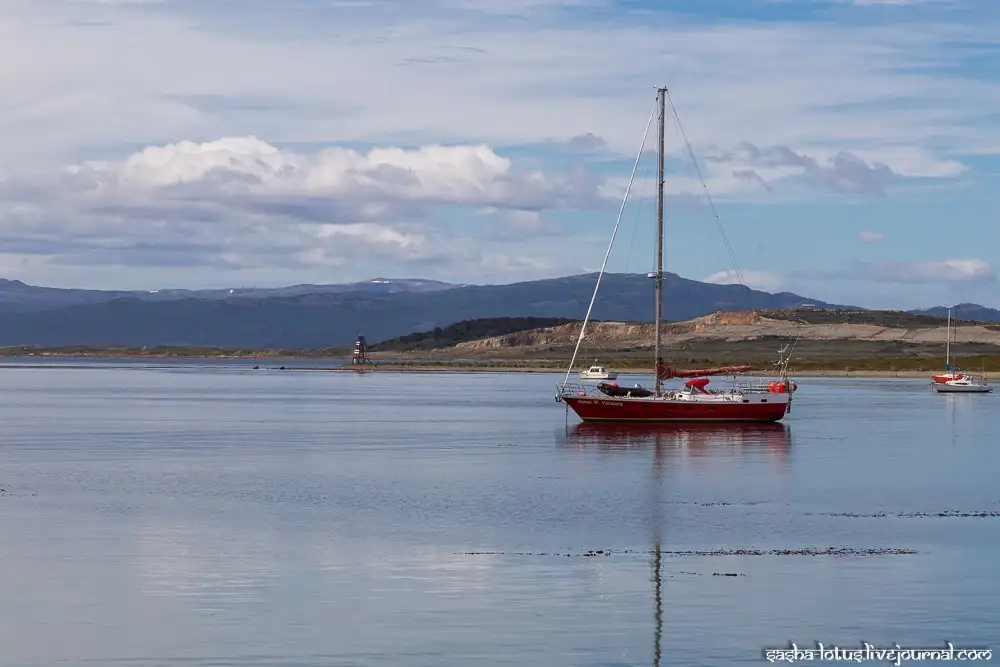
599	409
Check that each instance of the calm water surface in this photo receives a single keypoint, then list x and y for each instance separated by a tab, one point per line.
212	515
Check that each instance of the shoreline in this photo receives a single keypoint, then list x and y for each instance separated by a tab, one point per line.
416	368
287	364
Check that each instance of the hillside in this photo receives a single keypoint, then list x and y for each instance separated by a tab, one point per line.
757	335
465	331
332	318
831	340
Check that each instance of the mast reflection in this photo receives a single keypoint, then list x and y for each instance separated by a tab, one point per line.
658	596
657	530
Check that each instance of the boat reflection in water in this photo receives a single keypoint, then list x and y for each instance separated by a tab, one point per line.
689	439
769	441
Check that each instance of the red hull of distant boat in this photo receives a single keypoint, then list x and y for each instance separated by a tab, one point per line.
600	409
941	379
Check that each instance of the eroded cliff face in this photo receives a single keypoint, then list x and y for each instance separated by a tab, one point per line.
730	326
612	333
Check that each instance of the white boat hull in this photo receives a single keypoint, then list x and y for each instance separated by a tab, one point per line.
946	388
598	376
597	372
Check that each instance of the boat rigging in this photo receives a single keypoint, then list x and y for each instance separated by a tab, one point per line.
765	402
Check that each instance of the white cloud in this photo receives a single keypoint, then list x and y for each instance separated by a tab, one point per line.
949	270
843	172
806	282
516	225
909	161
463	72
941	271
868	236
746	172
469	175
767	281
451	90
240	204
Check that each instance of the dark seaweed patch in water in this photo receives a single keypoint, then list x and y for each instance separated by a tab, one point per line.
913	515
714	574
7	491
828	551
721	503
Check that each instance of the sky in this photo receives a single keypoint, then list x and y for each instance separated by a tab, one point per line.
850	148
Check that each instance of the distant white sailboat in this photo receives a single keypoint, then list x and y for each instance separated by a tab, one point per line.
952	382
963	385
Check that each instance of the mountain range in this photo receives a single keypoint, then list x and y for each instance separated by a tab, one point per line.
16	296
970	312
314	316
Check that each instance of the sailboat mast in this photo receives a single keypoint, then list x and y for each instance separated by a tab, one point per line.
947	345
661	95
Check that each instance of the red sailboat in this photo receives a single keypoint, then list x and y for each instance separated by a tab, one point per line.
745	402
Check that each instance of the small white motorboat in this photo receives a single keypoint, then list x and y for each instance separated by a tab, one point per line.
963	385
597	372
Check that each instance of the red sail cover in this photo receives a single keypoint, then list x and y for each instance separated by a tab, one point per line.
665	372
699	384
